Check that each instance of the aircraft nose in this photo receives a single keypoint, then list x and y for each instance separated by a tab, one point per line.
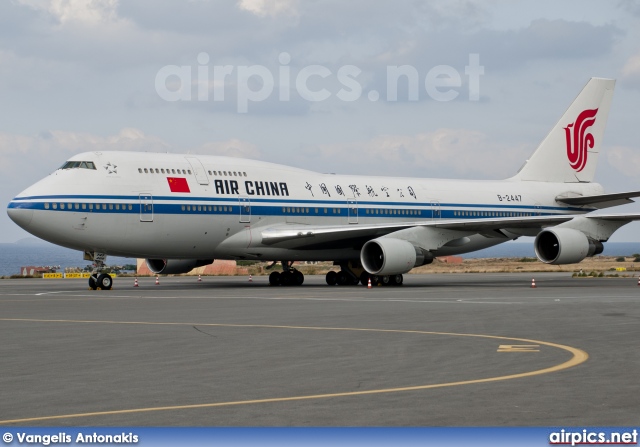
21	216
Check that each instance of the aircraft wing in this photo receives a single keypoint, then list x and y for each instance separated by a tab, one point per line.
600	201
311	236
615	217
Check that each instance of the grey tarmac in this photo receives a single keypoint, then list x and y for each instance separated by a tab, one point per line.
441	350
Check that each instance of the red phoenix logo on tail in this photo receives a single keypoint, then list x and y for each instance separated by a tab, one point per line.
580	141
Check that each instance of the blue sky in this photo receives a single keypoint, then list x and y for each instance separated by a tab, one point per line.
80	75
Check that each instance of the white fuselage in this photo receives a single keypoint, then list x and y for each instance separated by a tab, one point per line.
137	205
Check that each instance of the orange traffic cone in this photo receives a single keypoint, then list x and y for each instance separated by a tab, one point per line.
533	283
199	278
157	280
369	285
250	278
135	283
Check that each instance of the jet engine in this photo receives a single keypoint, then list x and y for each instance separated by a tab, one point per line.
565	246
175	266
390	256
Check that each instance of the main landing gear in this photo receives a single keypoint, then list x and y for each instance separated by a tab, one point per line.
289	276
352	274
97	280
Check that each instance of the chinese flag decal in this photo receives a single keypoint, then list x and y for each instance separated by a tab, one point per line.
178	184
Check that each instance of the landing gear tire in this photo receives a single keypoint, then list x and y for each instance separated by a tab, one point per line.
364	279
385	280
331	278
93	282
286	278
341	278
396	280
105	282
274	279
297	278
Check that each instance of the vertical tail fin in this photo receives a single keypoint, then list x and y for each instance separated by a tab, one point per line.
570	151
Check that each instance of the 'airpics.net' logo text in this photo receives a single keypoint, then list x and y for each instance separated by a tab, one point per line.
313	83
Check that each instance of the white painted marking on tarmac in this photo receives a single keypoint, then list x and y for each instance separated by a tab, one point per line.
49	293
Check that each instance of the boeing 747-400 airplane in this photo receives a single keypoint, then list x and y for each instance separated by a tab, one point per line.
184	211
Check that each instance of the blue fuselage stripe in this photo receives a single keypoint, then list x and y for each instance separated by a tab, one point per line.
33	202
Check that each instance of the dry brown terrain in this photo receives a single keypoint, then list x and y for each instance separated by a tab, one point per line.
607	265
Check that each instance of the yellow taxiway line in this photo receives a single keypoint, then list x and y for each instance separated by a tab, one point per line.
578	356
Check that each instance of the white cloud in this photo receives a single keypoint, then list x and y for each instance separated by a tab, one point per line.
49	148
271	8
624	159
230	148
85	11
631	71
432	154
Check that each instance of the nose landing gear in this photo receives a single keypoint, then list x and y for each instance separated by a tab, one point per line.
97	280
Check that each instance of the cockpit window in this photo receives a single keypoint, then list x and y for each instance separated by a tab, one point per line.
78	165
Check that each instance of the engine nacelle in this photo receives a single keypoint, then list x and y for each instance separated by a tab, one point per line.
390	256
565	246
175	266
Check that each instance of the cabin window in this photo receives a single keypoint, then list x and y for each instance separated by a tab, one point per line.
46	206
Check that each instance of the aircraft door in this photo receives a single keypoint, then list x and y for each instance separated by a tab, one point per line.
146	208
245	209
436	213
198	170
352	211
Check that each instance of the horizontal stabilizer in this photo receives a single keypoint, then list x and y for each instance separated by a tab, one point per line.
600	201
